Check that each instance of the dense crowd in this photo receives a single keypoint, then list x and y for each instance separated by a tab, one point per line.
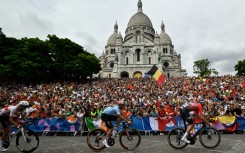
224	95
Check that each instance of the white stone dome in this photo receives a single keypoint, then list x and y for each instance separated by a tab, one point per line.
113	37
139	19
165	39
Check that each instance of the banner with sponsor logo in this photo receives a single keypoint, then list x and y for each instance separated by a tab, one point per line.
228	123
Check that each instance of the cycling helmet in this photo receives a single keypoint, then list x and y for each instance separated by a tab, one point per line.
23	103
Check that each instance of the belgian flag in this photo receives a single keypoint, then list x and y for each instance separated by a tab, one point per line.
156	74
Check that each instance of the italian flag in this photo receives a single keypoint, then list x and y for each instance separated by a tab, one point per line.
94	123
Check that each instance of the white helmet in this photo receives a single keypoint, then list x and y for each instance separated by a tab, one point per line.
24	103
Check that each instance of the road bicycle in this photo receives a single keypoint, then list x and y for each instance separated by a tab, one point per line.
27	141
209	137
129	138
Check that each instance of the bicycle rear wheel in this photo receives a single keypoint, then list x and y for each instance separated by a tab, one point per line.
174	138
210	137
94	139
30	144
130	138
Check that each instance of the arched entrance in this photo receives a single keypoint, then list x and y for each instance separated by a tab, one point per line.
124	74
137	74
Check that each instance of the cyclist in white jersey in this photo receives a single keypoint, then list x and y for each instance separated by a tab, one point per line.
8	114
113	113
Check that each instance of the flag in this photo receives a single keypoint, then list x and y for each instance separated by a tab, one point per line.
156	74
218	125
157	124
93	124
229	122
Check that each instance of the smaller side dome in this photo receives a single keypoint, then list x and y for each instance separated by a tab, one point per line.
113	37
164	37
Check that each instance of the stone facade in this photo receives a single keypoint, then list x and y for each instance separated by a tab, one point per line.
141	47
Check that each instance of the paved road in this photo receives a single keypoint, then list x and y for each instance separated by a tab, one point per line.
230	143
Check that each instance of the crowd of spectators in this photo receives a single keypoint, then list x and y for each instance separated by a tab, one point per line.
224	95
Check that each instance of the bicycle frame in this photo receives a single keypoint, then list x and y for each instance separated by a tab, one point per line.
198	131
21	130
124	127
125	133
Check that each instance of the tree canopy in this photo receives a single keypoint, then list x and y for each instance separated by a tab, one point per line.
201	68
54	59
240	67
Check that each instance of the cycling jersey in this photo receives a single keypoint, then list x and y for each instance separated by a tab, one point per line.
110	114
187	108
196	107
8	111
5	113
112	110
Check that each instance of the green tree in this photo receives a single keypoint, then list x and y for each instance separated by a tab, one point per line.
55	59
201	68
71	61
7	47
240	67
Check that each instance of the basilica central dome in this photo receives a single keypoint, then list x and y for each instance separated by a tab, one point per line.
139	19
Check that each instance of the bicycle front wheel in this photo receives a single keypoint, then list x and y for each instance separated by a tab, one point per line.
174	138
95	138
27	143
210	137
130	138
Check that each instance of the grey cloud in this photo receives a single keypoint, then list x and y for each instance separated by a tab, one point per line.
89	42
87	37
34	21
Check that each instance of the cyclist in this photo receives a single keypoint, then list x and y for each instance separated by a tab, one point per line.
113	113
186	109
10	114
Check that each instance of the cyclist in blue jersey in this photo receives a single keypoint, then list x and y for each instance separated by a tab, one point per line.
113	113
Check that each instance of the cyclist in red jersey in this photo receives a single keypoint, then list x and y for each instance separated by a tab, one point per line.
9	114
185	110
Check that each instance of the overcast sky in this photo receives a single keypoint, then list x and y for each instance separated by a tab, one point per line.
199	29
